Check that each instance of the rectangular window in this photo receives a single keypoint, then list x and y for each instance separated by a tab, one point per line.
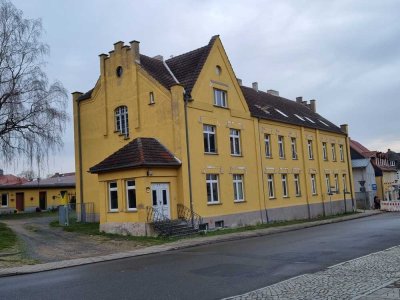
209	139
285	191
267	140
294	148
281	146
238	194
341	153
151	98
271	189
328	183
235	141
344	183
333	152
313	184
324	152
220	98
131	194
336	183
113	196
212	188
4	200
297	185
310	149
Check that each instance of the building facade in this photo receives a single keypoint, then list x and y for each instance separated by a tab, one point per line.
184	132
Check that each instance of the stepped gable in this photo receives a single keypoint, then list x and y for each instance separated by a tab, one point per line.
141	152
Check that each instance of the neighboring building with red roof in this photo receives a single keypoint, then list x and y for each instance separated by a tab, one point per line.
8	179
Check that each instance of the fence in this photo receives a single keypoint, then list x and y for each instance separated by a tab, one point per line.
76	212
390	205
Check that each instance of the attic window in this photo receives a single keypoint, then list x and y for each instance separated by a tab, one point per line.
309	120
282	113
119	71
218	70
300	118
323	123
151	98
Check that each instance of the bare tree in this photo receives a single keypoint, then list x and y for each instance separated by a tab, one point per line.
28	174
32	111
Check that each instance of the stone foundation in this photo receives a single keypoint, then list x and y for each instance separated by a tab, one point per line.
127	228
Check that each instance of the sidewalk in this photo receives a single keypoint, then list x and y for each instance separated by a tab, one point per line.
180	244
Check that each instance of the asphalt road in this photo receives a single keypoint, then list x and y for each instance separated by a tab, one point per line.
213	271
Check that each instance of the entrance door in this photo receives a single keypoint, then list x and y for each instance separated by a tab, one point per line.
42	200
20	201
160	196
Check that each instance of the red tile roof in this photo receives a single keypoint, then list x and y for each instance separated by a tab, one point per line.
141	152
360	149
11	179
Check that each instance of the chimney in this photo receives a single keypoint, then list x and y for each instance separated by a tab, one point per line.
313	105
135	51
344	128
304	102
273	92
255	86
239	81
299	99
159	57
1	172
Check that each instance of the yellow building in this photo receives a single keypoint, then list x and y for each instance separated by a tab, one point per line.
182	137
44	194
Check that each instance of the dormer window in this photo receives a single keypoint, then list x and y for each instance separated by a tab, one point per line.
151	98
121	120
220	98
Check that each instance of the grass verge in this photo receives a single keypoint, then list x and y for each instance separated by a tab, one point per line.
8	239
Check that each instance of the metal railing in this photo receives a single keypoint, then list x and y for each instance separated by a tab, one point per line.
191	218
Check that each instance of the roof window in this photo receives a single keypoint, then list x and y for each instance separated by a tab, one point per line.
282	113
323	123
309	120
300	118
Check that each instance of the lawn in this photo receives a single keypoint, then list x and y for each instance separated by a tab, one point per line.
8	239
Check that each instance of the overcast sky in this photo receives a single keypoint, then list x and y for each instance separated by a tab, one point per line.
345	54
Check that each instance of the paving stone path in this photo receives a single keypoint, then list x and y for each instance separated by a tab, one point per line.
375	276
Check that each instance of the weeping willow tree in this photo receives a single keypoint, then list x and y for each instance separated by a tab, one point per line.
32	110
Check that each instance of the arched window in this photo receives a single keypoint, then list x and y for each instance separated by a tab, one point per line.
121	120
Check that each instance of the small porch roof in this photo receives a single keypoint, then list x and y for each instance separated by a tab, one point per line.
141	152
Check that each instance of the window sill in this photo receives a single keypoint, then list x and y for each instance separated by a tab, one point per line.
224	107
272	198
239	201
295	158
132	210
113	211
286	197
152	103
269	157
298	196
214	203
282	158
236	155
211	153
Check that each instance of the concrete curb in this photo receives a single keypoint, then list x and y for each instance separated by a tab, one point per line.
180	244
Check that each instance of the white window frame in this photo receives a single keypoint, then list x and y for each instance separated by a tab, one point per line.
151	98
1	200
324	151
341	152
310	149
328	183
281	146
285	188
220	98
314	184
336	178
237	182
129	188
209	131
121	120
234	136
344	181
212	179
271	186
112	189
294	147
333	148
297	187
267	142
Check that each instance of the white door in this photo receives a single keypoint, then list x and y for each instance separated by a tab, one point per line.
160	196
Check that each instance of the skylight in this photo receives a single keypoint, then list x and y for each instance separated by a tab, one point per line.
282	113
309	120
300	118
323	123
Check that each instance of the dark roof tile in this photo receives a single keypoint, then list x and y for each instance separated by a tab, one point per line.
141	152
157	70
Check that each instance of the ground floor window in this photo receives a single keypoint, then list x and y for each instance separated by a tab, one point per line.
131	194
271	189
313	184
4	200
297	184
285	191
113	196
212	188
238	194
